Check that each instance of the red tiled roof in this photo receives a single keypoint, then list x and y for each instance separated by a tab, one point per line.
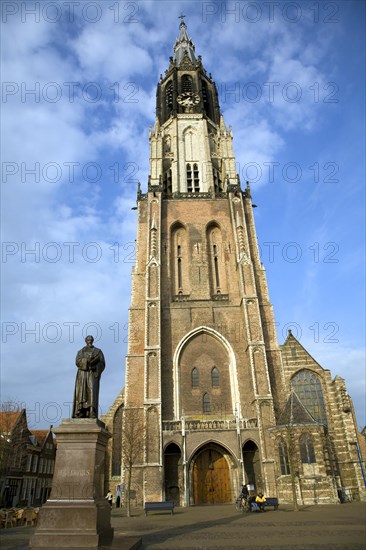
41	435
8	420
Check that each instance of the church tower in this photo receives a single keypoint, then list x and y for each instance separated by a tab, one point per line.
213	393
203	363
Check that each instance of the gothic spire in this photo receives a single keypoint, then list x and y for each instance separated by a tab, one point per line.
184	45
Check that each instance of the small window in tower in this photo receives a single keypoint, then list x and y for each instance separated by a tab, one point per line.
216	266
215	377
179	260
186	83
189	179
196	179
195	378
206	403
169	97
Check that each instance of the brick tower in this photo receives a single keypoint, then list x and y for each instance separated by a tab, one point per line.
203	361
214	392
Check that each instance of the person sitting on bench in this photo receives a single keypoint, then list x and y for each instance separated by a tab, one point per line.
260	501
253	505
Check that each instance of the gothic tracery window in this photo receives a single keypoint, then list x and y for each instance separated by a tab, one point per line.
284	459
309	390
307	449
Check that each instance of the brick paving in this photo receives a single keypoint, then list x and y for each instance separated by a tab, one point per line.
326	527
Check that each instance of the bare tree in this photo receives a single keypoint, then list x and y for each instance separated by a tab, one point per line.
133	442
291	445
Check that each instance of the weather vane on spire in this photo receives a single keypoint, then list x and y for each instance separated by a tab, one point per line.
181	17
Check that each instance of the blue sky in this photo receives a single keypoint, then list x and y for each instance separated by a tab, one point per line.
79	84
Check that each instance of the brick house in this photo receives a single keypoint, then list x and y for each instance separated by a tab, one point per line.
26	461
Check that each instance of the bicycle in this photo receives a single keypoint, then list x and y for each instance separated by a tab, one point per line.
242	504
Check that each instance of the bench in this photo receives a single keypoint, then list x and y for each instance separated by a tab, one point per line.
148	506
272	501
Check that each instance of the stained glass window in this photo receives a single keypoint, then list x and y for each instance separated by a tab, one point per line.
309	390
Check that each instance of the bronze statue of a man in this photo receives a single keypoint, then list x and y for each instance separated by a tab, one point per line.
90	363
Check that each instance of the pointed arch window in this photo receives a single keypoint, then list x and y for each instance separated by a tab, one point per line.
284	459
195	378
309	390
206	401
307	449
215	377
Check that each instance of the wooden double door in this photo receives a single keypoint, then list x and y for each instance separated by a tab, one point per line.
211	478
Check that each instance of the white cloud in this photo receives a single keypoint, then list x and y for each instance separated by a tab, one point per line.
108	132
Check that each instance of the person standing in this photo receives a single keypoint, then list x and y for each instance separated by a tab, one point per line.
109	497
118	496
244	492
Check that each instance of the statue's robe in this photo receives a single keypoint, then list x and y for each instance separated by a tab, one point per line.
90	363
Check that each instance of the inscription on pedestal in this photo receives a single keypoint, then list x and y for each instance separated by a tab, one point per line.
77	514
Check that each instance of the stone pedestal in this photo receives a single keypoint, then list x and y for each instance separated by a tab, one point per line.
77	515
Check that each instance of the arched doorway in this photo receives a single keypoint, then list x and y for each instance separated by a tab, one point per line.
172	469
252	464
211	482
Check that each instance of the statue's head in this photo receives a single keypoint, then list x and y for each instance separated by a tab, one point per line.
89	340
